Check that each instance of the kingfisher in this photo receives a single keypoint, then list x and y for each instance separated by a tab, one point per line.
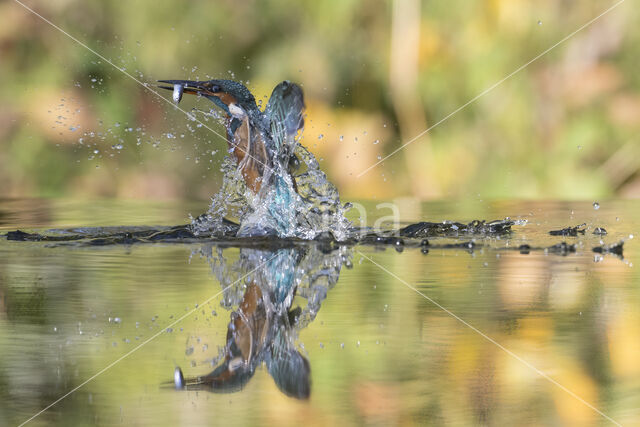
261	331
260	141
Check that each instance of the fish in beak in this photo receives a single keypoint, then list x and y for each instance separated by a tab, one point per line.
179	87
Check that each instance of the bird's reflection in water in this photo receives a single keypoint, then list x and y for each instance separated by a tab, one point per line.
275	294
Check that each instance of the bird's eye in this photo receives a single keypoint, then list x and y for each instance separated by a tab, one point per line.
215	89
294	164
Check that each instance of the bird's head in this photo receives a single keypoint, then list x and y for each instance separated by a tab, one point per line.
232	97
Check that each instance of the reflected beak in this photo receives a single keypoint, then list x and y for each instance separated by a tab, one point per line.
188	86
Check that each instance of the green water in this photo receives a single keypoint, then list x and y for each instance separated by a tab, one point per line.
93	321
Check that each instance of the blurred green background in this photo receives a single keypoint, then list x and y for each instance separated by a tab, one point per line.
375	74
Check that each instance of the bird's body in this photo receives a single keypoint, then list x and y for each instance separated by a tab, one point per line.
258	140
266	151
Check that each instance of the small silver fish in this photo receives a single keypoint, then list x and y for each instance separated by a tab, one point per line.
178	90
178	378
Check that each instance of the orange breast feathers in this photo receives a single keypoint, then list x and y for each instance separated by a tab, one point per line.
251	154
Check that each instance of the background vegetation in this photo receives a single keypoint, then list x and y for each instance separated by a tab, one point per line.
566	126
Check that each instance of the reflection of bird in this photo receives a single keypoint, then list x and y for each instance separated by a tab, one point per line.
256	334
261	330
258	139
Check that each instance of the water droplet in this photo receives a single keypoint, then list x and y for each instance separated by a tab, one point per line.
596	205
539	22
320	136
376	142
341	137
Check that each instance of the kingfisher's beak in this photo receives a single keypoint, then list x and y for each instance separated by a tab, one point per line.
189	86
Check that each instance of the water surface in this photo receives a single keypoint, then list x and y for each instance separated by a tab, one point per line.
378	352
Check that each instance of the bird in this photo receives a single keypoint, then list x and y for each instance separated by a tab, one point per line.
261	330
262	142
